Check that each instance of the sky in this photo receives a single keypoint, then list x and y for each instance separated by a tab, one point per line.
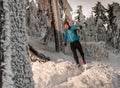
88	4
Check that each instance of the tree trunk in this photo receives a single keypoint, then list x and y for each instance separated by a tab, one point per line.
57	24
1	38
15	63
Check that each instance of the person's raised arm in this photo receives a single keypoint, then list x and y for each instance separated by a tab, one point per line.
77	27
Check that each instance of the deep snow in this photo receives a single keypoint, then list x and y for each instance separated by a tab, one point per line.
62	72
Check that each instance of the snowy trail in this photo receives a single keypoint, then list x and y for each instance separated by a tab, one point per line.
37	44
48	51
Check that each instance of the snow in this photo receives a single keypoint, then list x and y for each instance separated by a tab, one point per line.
8	74
16	69
102	71
115	59
62	72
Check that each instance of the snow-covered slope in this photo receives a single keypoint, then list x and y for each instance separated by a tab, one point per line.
63	73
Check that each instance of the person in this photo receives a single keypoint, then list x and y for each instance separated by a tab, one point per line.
71	36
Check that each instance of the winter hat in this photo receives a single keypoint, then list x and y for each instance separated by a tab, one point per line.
66	23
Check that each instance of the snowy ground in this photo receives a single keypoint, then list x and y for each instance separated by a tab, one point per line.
115	59
61	72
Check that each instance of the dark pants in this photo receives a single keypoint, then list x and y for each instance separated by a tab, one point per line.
74	46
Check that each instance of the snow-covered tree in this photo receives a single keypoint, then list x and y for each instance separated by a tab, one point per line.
113	32
80	21
2	15
100	12
80	17
101	19
15	68
36	21
44	22
91	29
110	25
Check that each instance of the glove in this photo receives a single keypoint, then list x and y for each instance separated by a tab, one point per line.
63	44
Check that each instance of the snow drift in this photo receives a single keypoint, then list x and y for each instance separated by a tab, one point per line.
64	74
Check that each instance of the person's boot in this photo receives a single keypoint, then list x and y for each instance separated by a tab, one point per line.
84	62
78	65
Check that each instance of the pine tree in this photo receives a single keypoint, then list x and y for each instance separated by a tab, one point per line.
36	21
91	29
113	28
101	19
80	17
100	11
1	38
15	69
110	25
80	21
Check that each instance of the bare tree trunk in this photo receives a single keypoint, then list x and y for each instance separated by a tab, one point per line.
15	69
57	24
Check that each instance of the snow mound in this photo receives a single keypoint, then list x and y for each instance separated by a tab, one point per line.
66	75
47	75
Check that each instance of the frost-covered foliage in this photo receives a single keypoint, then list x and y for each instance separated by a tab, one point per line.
44	22
36	21
39	23
95	32
97	50
100	12
93	29
100	20
90	30
113	32
16	66
80	21
80	17
2	38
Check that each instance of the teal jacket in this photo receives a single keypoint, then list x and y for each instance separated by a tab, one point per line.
70	34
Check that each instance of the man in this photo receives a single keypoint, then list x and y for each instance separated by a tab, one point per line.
71	36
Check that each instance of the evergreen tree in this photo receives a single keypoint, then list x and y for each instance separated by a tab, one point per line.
36	21
91	29
15	69
80	17
1	38
100	12
113	32
110	25
101	19
80	21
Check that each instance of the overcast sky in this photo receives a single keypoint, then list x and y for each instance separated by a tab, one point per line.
87	4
